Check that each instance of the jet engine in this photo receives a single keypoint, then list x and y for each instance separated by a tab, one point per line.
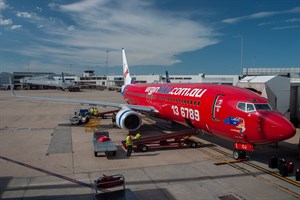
128	119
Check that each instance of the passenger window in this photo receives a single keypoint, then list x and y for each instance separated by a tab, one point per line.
250	107
241	106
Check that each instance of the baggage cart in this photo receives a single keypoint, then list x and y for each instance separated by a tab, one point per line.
113	187
103	144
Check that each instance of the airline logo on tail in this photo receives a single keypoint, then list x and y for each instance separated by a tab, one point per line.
126	74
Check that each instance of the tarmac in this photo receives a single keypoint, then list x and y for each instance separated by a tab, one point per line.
42	156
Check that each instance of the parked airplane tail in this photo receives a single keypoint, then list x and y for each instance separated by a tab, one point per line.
167	77
62	77
126	74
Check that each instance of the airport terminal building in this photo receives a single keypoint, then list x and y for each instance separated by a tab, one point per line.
89	77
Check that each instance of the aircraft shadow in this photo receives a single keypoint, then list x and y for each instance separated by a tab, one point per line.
262	154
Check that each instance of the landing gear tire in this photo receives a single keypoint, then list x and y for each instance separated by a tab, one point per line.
238	154
144	148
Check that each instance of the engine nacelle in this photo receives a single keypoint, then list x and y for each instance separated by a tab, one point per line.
128	119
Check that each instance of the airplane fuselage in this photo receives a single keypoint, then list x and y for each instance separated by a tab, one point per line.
229	112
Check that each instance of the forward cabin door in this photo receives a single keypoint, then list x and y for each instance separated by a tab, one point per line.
217	107
219	113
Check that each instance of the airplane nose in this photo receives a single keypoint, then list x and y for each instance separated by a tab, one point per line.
276	127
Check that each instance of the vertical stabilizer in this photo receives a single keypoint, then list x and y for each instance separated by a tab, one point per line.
167	77
126	74
62	77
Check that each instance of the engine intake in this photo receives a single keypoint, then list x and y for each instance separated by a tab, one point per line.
128	119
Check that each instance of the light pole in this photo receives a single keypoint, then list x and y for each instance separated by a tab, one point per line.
242	49
107	67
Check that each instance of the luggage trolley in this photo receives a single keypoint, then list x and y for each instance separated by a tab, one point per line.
105	182
103	144
113	187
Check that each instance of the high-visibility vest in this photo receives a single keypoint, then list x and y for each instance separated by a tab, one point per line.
128	141
137	136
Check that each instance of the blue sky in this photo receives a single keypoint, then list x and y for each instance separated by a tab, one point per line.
183	37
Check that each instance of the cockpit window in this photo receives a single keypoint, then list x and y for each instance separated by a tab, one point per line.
241	106
262	106
250	107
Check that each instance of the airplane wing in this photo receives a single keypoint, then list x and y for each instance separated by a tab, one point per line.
149	109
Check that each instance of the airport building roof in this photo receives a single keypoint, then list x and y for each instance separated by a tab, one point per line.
293	72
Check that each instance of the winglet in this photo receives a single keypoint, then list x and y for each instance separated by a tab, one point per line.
126	74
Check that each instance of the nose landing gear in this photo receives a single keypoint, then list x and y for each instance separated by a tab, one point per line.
238	154
239	150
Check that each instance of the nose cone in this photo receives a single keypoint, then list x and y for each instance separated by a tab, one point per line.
275	127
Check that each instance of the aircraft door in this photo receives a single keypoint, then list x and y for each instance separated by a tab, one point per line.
217	107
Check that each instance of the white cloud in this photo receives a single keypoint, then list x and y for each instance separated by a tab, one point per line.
5	21
39	9
14	27
286	27
292	20
3	5
260	15
82	6
24	14
71	28
149	35
294	10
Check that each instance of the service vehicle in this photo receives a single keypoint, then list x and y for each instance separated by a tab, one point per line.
103	144
81	116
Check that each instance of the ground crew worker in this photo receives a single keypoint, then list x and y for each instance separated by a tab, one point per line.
128	145
138	135
113	119
92	111
96	112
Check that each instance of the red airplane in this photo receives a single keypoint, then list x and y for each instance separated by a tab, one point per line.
229	112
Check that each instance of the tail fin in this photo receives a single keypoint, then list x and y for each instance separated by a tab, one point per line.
126	74
167	77
11	86
62	77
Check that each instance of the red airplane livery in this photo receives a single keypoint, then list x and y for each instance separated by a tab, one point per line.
229	112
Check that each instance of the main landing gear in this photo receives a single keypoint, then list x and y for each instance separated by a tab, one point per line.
238	154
